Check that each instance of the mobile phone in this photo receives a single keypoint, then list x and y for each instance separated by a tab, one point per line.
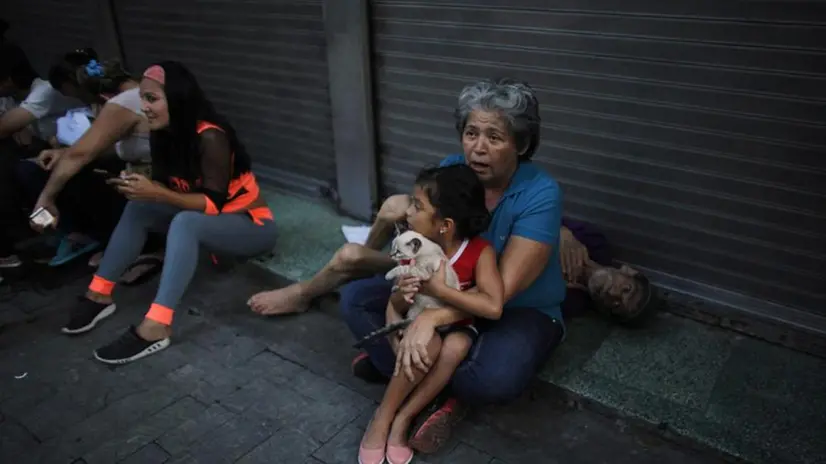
42	217
106	174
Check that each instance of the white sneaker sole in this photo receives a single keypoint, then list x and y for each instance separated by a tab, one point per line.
151	349
107	311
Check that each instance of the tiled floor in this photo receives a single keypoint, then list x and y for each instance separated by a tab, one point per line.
749	398
234	387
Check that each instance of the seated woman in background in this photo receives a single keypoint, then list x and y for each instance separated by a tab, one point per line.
64	180
203	193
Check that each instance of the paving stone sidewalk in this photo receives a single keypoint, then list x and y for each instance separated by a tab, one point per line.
238	388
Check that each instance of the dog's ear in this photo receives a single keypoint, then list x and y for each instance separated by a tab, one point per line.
416	244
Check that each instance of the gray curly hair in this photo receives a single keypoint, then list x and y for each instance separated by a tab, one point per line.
514	100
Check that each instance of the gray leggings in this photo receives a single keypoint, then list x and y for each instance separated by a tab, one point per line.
234	234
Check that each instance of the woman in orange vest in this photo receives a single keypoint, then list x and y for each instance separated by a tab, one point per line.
202	191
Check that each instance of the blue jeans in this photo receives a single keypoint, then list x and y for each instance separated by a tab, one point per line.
501	363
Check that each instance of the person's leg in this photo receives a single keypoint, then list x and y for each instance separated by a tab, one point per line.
31	178
455	348
125	245
351	261
498	369
11	196
234	234
363	306
96	205
376	434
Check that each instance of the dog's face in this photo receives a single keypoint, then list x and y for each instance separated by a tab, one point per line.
408	245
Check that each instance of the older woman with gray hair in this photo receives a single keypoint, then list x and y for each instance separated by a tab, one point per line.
498	124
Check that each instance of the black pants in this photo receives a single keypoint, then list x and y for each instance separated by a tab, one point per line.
13	220
87	204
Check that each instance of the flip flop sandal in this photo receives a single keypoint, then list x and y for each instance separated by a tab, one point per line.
157	265
69	250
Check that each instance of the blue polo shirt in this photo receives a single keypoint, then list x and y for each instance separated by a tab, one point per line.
531	207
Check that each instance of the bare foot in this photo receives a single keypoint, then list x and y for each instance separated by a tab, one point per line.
152	331
285	300
399	430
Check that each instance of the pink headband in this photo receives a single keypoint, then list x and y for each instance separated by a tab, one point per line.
156	73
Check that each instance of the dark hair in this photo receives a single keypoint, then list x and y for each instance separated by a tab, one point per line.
15	64
457	193
176	149
73	69
648	307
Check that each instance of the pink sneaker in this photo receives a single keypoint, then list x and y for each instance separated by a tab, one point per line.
399	454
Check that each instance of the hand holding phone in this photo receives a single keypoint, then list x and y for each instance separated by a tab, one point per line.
103	172
42	217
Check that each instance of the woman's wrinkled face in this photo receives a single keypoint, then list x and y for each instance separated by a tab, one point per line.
154	104
489	147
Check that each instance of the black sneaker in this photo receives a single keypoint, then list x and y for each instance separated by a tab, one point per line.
129	347
86	314
364	369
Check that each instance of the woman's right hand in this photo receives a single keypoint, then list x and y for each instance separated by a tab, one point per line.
48	158
49	205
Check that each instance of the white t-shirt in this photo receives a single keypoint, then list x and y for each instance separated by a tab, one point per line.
47	104
135	146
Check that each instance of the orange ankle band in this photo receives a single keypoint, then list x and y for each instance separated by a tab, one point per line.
160	314
101	286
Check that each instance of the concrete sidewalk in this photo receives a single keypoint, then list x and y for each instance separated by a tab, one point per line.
237	388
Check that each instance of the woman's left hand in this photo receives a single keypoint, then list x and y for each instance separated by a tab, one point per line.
137	187
437	282
413	347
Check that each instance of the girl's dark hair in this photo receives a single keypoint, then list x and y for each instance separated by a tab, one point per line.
74	68
457	193
176	149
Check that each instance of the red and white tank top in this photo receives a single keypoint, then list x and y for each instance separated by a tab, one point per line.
465	259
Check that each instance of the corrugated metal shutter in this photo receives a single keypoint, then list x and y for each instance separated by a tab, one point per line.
46	29
263	64
692	132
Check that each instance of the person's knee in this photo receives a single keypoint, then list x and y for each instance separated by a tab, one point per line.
348	258
136	210
352	295
455	348
185	225
363	294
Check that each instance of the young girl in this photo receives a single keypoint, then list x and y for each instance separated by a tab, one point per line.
448	207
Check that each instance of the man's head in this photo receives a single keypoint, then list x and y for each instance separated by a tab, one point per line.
16	72
623	293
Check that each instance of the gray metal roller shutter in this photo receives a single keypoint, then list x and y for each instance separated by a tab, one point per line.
46	29
692	132
264	66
